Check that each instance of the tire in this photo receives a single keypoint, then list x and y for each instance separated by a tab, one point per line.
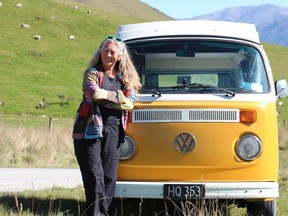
262	208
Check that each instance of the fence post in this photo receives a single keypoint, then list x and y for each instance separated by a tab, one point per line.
50	123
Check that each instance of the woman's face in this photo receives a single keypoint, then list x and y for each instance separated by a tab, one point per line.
109	55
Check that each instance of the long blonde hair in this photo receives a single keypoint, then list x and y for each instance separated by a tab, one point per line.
126	67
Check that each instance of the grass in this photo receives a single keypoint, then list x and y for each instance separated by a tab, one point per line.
30	144
34	70
55	201
59	201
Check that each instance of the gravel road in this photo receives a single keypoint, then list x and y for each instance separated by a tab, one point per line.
17	179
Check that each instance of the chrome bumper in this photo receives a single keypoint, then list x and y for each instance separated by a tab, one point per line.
213	190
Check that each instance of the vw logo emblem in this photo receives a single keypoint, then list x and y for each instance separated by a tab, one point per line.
185	142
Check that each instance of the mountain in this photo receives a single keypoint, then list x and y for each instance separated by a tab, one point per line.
271	21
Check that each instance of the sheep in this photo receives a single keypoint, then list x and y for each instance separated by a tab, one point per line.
0	4
25	26
18	5
37	37
88	11
41	104
71	37
75	8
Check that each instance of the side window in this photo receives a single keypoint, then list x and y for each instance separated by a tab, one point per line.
254	78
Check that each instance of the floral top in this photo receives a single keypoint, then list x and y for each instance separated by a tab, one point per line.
88	122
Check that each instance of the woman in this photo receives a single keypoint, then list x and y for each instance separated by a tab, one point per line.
109	86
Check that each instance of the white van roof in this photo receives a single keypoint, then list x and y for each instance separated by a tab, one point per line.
225	29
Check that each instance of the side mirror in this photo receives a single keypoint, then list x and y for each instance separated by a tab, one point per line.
281	88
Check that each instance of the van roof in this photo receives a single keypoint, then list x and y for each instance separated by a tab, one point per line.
206	28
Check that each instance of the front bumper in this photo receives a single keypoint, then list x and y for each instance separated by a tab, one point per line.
213	190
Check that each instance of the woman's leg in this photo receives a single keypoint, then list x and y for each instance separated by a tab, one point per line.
110	159
88	156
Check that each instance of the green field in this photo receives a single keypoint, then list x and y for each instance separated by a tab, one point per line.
50	70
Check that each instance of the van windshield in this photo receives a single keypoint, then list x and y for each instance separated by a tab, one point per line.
176	66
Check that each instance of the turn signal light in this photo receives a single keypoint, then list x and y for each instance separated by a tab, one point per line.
248	116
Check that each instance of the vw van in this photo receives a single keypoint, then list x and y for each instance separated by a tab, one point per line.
204	125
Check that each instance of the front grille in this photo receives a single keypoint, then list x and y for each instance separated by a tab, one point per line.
185	115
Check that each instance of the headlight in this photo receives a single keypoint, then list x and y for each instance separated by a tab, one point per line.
127	148
248	147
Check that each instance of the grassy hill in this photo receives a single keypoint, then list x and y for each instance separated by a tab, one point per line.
278	56
32	70
132	8
50	70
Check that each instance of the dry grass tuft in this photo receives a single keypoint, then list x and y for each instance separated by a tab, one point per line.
36	147
283	136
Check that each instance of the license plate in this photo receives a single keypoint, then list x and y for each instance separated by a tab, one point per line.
179	191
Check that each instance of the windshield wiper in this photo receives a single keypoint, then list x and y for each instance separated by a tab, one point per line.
204	86
154	93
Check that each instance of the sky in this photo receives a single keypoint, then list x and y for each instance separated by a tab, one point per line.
179	9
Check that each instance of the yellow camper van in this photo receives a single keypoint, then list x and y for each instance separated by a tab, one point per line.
204	125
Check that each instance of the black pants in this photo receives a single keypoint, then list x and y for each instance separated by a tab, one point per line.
98	161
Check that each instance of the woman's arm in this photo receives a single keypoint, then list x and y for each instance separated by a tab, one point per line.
95	93
129	101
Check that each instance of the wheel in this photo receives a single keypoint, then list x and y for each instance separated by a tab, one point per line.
262	208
